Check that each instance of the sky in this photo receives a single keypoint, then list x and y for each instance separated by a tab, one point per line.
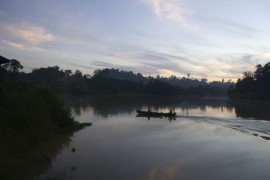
205	38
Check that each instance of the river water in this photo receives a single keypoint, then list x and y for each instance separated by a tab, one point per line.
209	139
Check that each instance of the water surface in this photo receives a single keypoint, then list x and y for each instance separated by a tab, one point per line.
209	139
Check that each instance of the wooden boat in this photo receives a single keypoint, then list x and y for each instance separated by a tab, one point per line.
156	114
169	114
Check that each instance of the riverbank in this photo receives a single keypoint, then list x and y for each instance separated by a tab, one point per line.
34	126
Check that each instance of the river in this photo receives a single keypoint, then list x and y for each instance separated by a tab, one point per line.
209	139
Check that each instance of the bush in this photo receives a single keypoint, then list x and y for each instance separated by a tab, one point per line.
34	127
33	113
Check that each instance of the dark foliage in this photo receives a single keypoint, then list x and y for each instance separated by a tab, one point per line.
34	124
172	80
254	85
114	81
13	66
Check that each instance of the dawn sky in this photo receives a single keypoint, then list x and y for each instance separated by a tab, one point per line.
206	38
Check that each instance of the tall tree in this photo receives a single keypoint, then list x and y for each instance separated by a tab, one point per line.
13	66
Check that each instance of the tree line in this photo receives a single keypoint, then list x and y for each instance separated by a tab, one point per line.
253	85
184	82
115	81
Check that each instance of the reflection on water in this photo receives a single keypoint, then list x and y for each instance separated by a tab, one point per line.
109	105
205	141
106	106
252	110
18	160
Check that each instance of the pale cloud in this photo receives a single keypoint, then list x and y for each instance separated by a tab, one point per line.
12	44
29	33
173	10
230	66
22	46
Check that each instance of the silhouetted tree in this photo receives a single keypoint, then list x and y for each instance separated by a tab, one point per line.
78	73
254	85
87	76
3	60
248	74
68	73
13	66
97	72
204	81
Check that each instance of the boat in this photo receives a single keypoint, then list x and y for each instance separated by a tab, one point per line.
156	114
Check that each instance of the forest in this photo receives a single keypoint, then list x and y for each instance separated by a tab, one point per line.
115	81
254	85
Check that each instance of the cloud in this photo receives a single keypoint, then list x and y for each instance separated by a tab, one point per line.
239	26
166	57
22	46
173	10
236	28
140	68
153	62
12	44
230	66
148	63
29	33
167	63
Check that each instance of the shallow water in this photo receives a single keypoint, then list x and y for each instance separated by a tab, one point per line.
209	139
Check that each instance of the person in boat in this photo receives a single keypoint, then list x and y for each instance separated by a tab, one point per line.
171	111
149	109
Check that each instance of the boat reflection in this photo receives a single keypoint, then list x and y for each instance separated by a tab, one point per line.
155	117
182	106
127	105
